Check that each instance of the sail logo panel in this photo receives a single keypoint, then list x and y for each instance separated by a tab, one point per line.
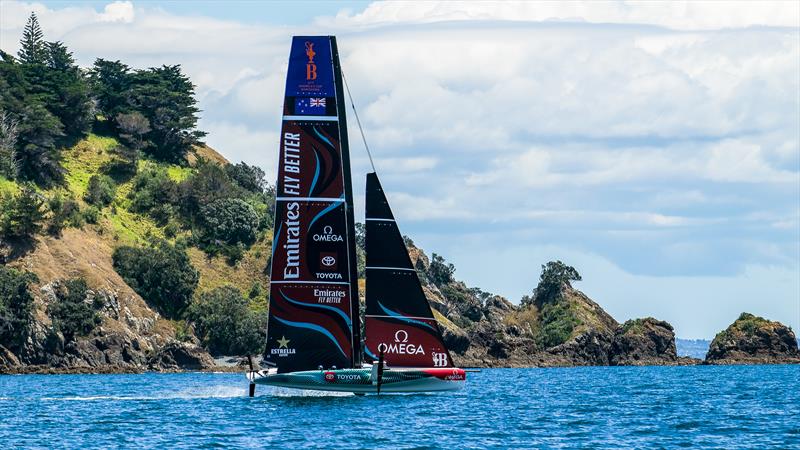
311	313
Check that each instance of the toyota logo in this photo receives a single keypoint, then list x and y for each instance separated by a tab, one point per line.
328	261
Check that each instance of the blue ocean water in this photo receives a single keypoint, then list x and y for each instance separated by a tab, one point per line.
589	407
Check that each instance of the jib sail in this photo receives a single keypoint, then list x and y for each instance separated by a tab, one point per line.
399	320
313	318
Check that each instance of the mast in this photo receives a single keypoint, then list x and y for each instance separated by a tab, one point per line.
348	200
399	322
312	283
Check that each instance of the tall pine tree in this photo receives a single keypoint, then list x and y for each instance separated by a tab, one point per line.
33	49
68	89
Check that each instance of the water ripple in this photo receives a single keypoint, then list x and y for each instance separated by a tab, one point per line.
588	407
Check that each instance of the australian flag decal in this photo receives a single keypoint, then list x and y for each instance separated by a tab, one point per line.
309	106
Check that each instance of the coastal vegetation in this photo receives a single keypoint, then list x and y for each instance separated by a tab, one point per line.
71	315
113	153
16	306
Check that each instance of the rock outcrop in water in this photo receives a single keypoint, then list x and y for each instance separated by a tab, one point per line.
641	342
484	330
754	340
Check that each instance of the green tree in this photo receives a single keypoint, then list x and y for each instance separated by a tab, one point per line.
23	96
165	96
111	83
230	220
225	324
440	272
21	215
32	46
251	178
555	277
16	306
162	274
68	90
71	314
100	191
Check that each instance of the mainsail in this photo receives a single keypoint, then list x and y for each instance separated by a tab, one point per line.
399	321
313	310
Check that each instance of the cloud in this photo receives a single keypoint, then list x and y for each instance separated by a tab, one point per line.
681	15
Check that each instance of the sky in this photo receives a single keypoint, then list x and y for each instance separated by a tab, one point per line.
655	146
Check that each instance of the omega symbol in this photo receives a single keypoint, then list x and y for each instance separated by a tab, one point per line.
402	333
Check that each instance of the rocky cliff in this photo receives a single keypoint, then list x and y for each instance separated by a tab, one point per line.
754	340
484	330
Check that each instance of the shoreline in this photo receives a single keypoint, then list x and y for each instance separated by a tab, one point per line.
125	370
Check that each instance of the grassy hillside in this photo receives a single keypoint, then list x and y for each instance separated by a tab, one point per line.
119	225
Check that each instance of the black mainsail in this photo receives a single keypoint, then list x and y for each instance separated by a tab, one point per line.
313	309
399	321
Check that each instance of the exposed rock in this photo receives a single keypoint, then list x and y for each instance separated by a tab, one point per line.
8	359
180	355
754	340
642	342
456	339
590	348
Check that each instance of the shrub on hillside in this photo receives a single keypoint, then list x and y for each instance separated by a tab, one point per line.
123	164
21	215
91	215
556	323
16	306
154	193
162	274
229	220
101	190
251	178
208	184
72	314
64	211
225	324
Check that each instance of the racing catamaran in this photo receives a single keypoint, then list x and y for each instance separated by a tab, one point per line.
314	328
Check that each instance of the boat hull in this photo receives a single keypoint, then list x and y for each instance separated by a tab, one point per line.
363	381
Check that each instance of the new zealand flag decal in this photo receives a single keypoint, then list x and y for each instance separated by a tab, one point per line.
311	106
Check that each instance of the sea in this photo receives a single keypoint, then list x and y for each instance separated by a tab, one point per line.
586	407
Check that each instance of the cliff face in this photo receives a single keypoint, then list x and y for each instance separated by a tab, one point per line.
754	340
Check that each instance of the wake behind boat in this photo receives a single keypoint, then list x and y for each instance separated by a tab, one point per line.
314	328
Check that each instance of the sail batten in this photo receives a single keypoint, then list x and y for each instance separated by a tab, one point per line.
399	321
312	290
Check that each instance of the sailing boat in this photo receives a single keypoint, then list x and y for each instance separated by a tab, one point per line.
314	330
